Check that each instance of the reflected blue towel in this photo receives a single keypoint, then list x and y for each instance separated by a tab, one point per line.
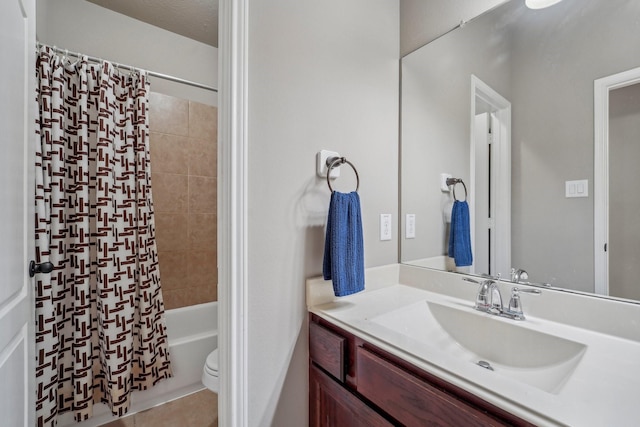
343	247
460	234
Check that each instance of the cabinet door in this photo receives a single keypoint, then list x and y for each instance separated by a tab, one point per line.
332	405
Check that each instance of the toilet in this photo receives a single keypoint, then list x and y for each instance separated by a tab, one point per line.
210	372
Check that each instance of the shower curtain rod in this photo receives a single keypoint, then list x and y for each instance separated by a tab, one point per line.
118	65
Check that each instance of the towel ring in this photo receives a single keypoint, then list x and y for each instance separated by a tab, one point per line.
337	161
454	181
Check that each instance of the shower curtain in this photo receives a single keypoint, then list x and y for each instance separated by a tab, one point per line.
100	330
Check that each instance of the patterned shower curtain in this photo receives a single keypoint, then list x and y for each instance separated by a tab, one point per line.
100	330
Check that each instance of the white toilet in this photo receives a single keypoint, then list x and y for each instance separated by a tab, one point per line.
210	372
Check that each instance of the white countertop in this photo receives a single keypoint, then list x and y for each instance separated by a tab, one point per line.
602	390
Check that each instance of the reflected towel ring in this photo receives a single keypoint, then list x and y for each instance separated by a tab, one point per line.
337	161
454	181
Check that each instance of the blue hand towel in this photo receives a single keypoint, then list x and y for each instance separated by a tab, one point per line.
460	234
343	247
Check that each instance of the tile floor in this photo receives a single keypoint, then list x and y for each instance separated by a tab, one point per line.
196	410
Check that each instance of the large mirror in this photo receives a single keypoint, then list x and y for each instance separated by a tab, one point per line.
506	103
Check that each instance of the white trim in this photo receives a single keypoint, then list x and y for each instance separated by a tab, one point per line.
29	12
502	182
601	89
232	213
472	168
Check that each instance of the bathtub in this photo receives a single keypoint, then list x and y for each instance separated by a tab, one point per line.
193	334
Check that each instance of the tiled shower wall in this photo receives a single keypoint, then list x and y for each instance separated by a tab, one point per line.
183	140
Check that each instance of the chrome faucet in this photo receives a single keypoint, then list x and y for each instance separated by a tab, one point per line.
489	299
519	275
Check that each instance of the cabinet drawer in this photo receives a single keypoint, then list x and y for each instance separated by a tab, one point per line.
411	400
327	350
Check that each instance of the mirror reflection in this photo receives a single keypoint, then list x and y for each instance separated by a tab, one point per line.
506	104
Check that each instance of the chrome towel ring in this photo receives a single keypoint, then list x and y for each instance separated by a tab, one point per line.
332	162
454	181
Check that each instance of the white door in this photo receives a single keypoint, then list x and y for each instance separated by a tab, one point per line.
601	181
490	190
17	77
482	245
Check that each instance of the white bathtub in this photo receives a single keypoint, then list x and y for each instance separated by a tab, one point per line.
193	334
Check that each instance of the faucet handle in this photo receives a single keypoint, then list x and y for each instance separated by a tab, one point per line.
527	291
485	300
488	298
515	305
483	297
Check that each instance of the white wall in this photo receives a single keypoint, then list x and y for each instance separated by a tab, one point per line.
83	27
320	77
423	21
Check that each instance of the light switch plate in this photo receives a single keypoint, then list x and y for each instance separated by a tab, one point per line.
579	188
385	226
410	226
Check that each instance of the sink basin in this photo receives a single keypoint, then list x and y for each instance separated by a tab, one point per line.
535	358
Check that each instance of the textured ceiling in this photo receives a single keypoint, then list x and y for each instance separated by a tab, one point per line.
195	19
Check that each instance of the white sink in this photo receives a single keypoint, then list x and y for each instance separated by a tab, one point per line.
538	359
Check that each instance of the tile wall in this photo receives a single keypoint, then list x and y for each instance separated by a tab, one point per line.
183	140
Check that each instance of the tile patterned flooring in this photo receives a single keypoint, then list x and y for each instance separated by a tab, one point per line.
196	410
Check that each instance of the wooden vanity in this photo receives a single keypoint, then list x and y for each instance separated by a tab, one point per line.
355	383
411	351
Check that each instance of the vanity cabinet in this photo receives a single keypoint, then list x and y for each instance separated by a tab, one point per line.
354	383
334	405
